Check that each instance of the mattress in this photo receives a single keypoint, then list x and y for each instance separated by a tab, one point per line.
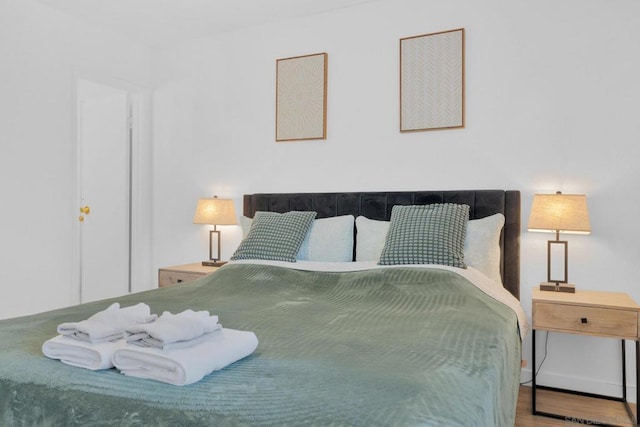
375	346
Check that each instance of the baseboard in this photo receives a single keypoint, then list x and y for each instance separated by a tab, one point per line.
587	385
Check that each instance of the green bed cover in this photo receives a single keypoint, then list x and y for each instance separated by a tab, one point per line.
399	346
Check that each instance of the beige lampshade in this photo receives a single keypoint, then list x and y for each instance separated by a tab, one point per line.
564	213
215	212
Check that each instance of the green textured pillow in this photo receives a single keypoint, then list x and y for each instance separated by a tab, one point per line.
275	236
426	234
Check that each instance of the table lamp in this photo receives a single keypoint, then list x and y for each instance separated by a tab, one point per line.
559	213
215	212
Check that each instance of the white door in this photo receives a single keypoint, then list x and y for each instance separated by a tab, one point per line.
104	153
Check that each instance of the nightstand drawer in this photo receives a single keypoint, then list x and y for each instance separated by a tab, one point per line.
585	320
168	278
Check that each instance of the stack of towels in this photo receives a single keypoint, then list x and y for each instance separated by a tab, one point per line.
91	343
178	349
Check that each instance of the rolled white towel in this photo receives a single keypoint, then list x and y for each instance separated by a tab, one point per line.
107	325
184	366
80	353
171	329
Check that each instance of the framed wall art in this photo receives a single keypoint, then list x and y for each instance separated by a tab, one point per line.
432	81
301	97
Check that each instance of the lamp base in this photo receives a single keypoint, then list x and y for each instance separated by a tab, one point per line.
558	287
214	263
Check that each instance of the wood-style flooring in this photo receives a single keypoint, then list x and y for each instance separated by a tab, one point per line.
605	411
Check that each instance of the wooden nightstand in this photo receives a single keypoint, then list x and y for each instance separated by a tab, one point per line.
169	276
602	314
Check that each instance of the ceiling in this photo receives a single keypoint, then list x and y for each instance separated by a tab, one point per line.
156	22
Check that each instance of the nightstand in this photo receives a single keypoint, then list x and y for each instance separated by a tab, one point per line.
169	276
601	314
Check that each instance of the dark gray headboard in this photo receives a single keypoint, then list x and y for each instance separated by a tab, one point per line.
377	205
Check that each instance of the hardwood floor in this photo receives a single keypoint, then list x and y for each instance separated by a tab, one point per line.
605	411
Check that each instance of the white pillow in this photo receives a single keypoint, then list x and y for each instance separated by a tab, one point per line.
328	239
245	224
481	246
370	238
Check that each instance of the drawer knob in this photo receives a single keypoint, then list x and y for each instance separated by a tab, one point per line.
180	281
583	320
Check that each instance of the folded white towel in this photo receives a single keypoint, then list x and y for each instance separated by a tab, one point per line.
80	353
107	325
185	366
172	328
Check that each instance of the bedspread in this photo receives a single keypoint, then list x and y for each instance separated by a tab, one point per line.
394	346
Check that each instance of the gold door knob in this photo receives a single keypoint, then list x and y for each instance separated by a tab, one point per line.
85	210
80	218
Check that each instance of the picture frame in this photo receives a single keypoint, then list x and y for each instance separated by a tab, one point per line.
432	81
301	97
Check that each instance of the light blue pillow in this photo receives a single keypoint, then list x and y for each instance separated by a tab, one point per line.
329	240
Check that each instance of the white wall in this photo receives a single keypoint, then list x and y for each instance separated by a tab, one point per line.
551	92
41	51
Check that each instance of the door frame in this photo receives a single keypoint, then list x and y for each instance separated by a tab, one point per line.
140	195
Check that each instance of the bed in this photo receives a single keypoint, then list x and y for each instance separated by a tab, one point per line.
340	343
